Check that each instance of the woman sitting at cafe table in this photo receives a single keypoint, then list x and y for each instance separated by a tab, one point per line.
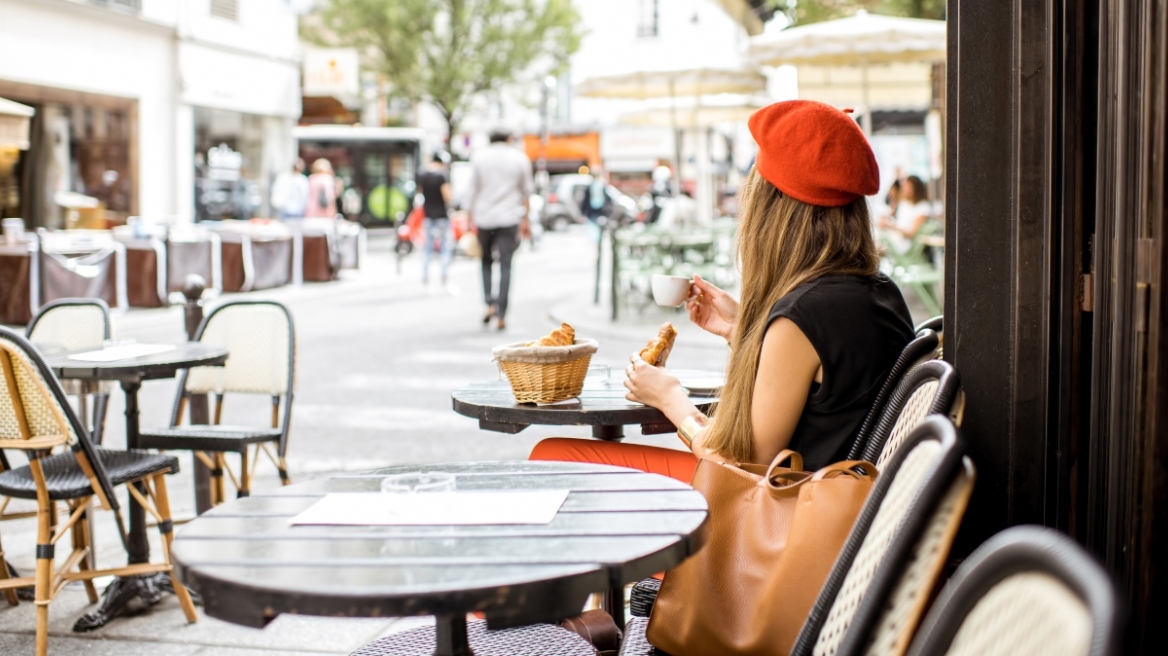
817	329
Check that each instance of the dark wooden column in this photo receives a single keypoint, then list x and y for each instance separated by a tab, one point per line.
1011	274
1127	509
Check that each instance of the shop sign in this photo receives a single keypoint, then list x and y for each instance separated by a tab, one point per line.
223	163
331	72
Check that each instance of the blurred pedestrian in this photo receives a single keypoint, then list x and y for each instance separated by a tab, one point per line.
596	202
434	186
912	211
662	175
498	205
322	191
290	192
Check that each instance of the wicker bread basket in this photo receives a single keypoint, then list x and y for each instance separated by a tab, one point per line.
545	374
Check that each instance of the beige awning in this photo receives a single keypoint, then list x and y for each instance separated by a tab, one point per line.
14	122
642	85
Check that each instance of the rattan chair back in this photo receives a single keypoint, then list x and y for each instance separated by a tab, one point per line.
1027	590
35	415
77	324
932	387
922	347
261	340
896	514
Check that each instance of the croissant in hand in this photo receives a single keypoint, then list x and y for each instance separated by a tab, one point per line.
656	352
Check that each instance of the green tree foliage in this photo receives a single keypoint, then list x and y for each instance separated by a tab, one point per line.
804	12
448	52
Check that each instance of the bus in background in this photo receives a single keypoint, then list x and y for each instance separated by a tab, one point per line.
377	167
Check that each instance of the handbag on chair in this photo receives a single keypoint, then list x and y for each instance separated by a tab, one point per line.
772	537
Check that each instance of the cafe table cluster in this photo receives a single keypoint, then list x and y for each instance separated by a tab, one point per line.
338	547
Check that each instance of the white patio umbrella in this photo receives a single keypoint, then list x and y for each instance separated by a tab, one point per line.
860	40
674	84
698	112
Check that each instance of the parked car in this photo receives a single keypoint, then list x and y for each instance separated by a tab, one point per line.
562	208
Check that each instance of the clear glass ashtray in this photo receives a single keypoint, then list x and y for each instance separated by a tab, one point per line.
418	482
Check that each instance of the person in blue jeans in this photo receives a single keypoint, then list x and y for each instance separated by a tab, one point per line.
434	185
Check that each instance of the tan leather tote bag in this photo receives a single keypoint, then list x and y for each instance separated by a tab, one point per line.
771	540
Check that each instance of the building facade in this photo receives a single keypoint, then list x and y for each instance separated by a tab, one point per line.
164	108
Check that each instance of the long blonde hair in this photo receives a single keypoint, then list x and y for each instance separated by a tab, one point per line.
782	243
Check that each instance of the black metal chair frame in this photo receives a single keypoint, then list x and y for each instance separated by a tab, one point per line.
76	480
1014	551
943	472
225	441
922	347
100	398
947	400
934	324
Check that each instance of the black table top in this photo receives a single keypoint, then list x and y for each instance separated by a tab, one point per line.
146	367
602	404
617	526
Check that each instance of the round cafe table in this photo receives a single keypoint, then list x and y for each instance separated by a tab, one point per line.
130	372
617	526
602	406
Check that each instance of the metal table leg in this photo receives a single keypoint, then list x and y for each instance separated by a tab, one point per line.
610	433
123	589
451	635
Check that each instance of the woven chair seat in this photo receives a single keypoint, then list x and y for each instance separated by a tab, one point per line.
207	437
65	480
635	642
643	596
533	640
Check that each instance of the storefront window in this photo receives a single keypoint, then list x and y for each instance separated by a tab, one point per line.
230	182
76	171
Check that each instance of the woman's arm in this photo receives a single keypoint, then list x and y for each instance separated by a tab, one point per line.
787	366
446	193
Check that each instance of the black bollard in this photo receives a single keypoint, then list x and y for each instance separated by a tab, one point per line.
200	410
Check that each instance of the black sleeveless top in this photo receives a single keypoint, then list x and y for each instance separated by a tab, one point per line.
858	326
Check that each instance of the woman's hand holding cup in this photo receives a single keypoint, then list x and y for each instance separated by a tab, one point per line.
712	309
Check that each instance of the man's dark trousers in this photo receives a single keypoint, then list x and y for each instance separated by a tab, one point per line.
503	242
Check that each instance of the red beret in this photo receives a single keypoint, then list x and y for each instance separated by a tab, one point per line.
814	153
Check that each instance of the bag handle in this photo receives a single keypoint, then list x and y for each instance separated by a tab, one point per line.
847	468
784	455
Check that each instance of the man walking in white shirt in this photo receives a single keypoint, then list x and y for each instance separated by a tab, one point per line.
497	204
290	192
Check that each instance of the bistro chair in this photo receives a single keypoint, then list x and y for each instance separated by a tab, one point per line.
922	347
35	417
931	388
262	343
77	324
883	577
1026	590
934	324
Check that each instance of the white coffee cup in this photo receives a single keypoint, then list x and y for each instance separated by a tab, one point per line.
670	291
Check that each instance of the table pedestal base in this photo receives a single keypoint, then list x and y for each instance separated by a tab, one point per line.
149	588
610	433
451	636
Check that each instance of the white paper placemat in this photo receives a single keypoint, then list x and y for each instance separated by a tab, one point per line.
122	352
434	508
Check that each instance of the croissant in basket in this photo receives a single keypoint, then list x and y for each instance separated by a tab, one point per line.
656	352
565	335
